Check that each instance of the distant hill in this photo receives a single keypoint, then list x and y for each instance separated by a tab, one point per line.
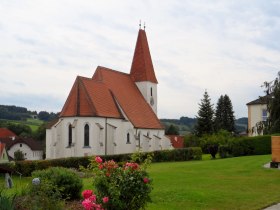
186	124
241	124
11	112
15	113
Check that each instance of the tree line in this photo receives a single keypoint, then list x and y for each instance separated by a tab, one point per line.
11	112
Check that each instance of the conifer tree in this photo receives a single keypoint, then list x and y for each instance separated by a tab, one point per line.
218	119
205	116
228	115
224	115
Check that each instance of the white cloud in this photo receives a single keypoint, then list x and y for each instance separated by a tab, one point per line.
226	47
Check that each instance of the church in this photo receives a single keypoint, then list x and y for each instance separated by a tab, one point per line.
111	113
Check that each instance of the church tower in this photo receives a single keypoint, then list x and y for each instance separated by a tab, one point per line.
142	70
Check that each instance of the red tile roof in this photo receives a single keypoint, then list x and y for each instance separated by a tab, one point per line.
177	141
142	68
5	132
34	145
114	94
128	97
90	98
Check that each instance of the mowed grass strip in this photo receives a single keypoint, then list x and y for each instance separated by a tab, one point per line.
233	183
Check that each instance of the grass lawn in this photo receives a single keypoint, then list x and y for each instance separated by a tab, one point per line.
233	183
19	184
222	184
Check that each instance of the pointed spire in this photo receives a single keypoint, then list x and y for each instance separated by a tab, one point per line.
142	66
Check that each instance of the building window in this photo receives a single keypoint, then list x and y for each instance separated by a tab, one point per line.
20	145
69	135
264	115
128	138
86	135
151	91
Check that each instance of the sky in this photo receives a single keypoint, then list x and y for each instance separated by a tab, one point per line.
221	46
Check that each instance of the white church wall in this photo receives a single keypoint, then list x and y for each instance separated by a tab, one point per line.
153	140
122	128
110	139
116	129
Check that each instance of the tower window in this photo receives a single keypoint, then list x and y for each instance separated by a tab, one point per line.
69	135
128	138
86	135
151	91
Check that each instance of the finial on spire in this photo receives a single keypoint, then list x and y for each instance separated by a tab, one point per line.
140	25
144	26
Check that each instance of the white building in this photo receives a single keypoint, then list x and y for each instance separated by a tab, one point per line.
111	113
257	115
31	149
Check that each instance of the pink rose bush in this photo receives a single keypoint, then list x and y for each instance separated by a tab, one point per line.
121	187
90	203
146	180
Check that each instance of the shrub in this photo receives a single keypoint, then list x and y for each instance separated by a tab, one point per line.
43	196
119	187
67	181
224	151
18	155
191	141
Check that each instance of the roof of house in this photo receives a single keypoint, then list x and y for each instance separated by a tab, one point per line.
34	145
176	141
5	132
113	94
260	100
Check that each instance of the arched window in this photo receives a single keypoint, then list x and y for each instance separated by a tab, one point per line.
86	135
128	138
69	135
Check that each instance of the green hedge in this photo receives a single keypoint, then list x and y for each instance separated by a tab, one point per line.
258	145
27	167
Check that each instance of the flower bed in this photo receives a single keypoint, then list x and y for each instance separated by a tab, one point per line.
126	186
